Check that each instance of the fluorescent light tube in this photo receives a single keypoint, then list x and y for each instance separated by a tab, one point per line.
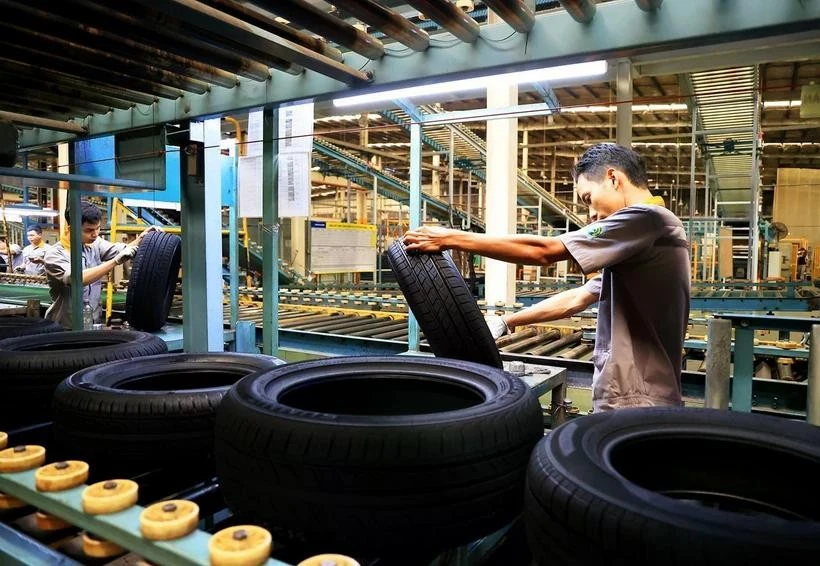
564	72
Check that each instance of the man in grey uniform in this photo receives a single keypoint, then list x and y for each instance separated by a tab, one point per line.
99	259
642	249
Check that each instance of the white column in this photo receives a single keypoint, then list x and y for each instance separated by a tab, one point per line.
502	163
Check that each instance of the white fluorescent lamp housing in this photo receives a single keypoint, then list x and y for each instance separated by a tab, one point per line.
23	210
564	72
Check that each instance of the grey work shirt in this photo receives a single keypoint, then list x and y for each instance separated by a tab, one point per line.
643	309
58	271
32	251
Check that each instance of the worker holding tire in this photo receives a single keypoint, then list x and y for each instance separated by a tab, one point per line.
100	257
643	254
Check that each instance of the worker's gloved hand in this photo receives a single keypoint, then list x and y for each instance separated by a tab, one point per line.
127	253
498	327
20	269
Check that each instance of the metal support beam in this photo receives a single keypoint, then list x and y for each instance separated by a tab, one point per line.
718	359
415	217
200	203
623	119
813	379
270	232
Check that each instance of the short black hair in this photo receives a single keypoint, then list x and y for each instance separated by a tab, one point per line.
35	228
594	162
90	214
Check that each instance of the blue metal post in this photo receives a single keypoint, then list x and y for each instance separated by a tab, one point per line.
245	337
744	370
270	233
415	217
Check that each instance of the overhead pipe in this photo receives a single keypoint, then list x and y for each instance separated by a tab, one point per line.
62	91
118	23
649	5
450	17
37	122
26	73
388	22
304	14
48	44
580	10
103	40
266	21
50	109
515	12
243	35
209	26
69	66
27	95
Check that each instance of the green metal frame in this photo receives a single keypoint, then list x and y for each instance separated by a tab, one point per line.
120	528
555	39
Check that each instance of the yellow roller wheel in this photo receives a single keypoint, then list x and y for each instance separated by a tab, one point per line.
4	439
109	496
61	475
46	522
9	502
21	458
328	560
168	520
243	545
98	548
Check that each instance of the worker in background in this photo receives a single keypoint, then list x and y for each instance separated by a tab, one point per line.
10	254
99	259
643	253
802	261
34	252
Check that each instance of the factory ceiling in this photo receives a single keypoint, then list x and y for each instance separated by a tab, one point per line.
87	67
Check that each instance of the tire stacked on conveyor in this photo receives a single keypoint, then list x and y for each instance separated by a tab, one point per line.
13	326
377	454
658	486
140	414
31	367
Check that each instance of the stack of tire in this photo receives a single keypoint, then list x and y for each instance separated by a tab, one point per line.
152	412
32	366
377	455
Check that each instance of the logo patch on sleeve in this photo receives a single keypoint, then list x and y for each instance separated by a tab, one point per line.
594	231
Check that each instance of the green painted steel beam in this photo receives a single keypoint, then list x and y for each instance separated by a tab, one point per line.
555	39
120	528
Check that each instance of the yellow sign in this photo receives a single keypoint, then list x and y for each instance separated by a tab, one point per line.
810	101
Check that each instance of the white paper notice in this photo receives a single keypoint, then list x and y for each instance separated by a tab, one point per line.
196	131
294	184
249	182
254	139
296	128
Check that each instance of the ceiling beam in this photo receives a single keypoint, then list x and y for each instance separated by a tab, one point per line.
554	40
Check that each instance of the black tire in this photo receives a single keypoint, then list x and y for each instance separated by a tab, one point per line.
148	412
153	279
443	305
368	454
31	367
13	326
659	486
